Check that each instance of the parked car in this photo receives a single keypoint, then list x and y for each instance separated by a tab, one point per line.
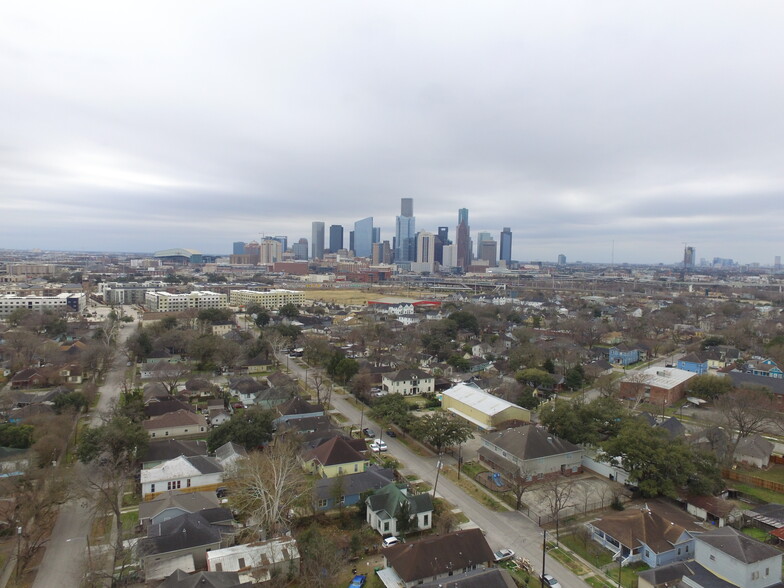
390	541
503	555
378	446
358	581
548	580
368	432
390	433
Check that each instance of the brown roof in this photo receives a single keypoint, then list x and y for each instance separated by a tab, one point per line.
179	418
333	452
712	505
439	554
655	526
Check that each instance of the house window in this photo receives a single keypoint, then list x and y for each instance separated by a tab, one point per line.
767	571
153	434
647	553
189	482
687	549
322	503
152	487
241	562
342	499
166	434
356	467
755	575
425	520
386	526
679	551
713	557
218	567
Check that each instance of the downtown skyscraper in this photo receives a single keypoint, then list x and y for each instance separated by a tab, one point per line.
506	246
405	232
317	240
463	239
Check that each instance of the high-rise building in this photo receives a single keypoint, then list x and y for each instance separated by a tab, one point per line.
351	241
405	232
363	237
463	239
505	253
426	247
488	250
561	259
376	234
270	251
689	256
449	259
382	253
238	248
443	239
300	249
777	262
284	241
335	238
317	240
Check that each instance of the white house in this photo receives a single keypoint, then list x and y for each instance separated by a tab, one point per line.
385	505
261	559
196	473
408	382
181	423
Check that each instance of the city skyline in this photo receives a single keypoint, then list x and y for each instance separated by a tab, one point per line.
607	133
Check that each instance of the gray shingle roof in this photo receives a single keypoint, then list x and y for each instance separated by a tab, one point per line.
737	545
530	442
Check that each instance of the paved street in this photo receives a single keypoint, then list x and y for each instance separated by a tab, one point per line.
504	529
66	553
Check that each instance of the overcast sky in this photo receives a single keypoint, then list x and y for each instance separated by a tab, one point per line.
139	126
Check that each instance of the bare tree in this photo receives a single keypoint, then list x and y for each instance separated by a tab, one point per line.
319	382
268	486
171	375
520	481
558	493
744	413
634	386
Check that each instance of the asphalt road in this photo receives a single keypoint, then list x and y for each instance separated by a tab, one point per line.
66	555
502	529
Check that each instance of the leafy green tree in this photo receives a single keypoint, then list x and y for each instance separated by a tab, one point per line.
465	321
113	450
443	429
657	464
251	428
342	369
16	436
75	401
581	423
262	318
574	377
288	310
405	518
392	408
535	378
459	362
214	316
548	366
709	387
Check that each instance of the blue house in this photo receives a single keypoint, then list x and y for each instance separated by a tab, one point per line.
329	493
693	362
656	535
765	367
623	354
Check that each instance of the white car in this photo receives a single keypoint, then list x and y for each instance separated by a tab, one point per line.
378	446
390	541
550	581
503	555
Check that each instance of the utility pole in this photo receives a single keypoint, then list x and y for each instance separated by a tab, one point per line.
544	552
438	471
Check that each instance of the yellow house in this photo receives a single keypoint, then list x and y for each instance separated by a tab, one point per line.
485	411
334	458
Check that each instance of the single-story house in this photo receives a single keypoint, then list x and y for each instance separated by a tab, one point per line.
655	534
181	423
169	505
262	560
329	493
191	474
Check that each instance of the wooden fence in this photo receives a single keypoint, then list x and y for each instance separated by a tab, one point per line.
753	480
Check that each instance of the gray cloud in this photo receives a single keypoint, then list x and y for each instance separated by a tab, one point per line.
144	126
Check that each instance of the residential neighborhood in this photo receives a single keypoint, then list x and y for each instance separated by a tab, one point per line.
595	438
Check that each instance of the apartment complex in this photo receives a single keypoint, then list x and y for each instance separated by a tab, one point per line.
62	302
271	299
168	302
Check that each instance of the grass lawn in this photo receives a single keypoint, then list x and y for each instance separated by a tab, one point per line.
568	560
755	533
590	551
774	474
759	493
472	469
599	582
470	487
130	499
129	522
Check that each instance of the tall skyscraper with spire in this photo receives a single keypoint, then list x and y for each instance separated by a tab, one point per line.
463	239
405	232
